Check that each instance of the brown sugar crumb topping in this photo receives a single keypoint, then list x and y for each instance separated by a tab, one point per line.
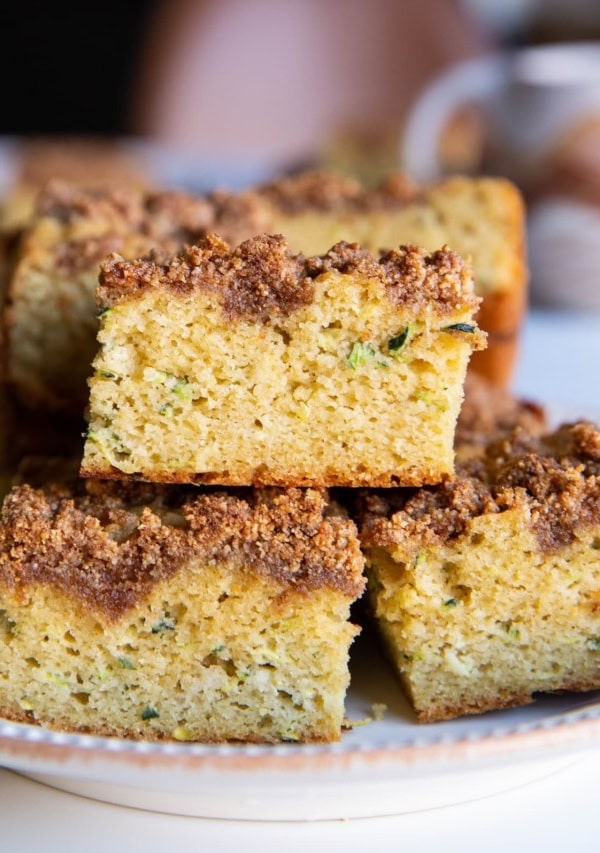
109	544
169	215
66	202
262	276
412	276
96	223
331	191
237	216
415	276
423	517
258	278
488	410
74	256
170	220
315	190
176	216
557	475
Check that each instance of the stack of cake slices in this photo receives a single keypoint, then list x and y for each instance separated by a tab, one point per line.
195	582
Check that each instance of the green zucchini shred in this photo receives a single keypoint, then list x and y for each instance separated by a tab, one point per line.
164	624
460	327
362	354
150	713
182	389
396	343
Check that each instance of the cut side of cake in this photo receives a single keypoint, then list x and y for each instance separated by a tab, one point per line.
159	613
486	589
254	366
483	219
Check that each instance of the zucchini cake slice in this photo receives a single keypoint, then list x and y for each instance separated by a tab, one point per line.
481	218
50	315
486	589
254	366
152	613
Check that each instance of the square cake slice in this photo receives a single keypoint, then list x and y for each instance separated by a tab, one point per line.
255	366
154	613
50	321
486	589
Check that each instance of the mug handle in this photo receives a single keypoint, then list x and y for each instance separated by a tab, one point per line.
473	80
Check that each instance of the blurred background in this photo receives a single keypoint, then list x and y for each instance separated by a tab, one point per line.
264	80
205	93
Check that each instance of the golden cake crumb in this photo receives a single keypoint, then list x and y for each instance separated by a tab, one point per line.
169	613
485	588
255	366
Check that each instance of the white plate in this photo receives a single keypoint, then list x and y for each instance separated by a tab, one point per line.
391	766
386	767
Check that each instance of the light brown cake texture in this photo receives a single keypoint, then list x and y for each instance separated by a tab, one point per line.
480	218
169	614
486	589
254	366
50	316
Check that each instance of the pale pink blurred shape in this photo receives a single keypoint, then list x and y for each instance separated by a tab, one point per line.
271	79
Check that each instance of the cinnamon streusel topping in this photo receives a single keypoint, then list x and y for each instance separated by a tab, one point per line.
261	276
557	476
109	545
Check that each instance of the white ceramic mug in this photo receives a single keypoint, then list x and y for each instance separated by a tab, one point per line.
531	97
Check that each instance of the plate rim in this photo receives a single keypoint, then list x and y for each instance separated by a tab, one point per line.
563	731
560	732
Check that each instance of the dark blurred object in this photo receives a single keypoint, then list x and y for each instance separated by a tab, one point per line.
564	20
520	22
67	67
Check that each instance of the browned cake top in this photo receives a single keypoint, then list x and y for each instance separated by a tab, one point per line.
166	211
221	210
323	191
67	202
557	475
318	190
134	222
261	276
488	410
97	222
109	544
